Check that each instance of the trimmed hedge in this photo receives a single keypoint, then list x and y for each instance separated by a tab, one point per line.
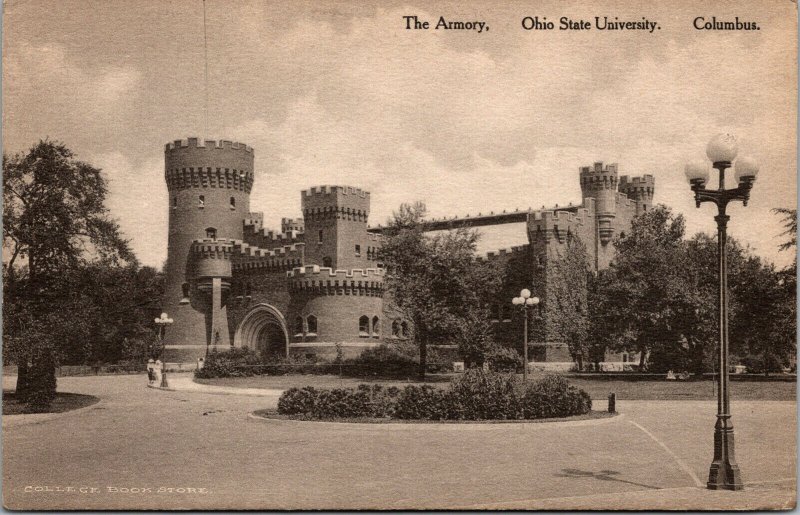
476	395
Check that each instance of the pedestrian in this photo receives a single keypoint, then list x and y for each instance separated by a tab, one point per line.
151	374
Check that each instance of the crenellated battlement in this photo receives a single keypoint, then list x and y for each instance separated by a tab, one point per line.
598	177
638	188
318	280
335	202
250	257
292	224
500	254
208	144
558	225
258	236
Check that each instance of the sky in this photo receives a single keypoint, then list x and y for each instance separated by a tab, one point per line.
342	93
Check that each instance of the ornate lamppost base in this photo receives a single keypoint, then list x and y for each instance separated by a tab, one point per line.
724	473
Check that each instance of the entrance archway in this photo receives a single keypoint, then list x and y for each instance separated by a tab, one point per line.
263	329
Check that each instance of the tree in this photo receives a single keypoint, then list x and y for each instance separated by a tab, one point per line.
54	222
639	293
437	283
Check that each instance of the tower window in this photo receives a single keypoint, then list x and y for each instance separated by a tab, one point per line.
404	329
396	328
233	202
201	202
211	233
174	202
320	236
327	261
298	327
311	322
363	326
495	312
358	250
376	327
506	310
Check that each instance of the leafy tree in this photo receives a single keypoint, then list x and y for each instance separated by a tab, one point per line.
436	282
54	222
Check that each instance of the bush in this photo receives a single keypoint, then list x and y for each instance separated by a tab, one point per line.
422	403
476	395
236	362
552	397
383	361
373	401
503	359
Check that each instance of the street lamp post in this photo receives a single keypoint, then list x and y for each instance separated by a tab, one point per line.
722	150
162	322
525	301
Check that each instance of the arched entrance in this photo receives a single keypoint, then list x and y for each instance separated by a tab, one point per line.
263	329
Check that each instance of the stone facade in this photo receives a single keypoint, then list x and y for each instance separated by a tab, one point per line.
317	286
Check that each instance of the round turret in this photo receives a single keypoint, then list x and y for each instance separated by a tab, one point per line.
639	189
209	185
600	182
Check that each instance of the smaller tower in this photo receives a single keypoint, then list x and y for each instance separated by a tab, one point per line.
600	182
335	220
639	189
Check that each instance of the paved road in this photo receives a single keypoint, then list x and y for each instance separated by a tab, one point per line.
138	437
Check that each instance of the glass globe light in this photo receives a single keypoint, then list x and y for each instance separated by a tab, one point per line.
697	171
525	293
532	301
746	168
517	301
722	147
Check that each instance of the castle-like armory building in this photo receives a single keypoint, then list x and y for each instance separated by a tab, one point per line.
317	286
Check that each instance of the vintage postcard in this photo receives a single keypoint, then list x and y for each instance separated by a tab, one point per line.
439	255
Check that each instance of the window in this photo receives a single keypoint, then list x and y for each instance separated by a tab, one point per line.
376	327
248	289
396	328
185	288
506	310
174	202
363	327
358	250
320	236
211	233
311	322
327	261
404	329
495	312
233	202
298	327
201	201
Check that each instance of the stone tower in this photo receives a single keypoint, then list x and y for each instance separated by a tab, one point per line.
335	219
209	185
640	190
600	183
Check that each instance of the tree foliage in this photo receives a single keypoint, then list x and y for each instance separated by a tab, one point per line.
60	241
436	282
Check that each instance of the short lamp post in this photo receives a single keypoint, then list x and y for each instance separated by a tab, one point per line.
525	301
722	150
162	322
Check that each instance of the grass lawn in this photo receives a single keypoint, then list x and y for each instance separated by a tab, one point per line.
272	413
597	388
63	402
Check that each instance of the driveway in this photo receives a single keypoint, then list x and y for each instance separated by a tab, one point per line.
153	449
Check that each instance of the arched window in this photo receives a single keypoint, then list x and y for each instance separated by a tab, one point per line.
298	326
363	326
404	329
327	261
201	201
211	233
233	202
311	321
396	328
376	327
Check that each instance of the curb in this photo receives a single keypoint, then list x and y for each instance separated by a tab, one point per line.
9	423
434	426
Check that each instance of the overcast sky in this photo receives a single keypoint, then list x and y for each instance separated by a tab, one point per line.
335	94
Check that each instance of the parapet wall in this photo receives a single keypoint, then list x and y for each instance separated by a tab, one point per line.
326	281
340	201
292	224
195	163
262	238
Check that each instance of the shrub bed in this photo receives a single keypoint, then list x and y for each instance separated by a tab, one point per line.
476	395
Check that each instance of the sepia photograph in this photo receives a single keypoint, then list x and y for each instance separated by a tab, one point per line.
399	255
